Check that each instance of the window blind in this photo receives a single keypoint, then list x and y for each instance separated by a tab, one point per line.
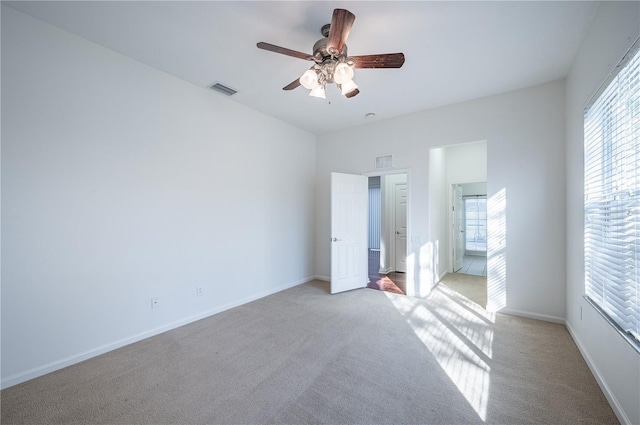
612	197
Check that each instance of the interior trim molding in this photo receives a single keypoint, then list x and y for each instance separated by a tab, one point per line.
530	315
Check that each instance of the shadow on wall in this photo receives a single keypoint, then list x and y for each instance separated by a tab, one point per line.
496	251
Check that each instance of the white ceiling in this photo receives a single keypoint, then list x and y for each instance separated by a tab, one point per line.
455	51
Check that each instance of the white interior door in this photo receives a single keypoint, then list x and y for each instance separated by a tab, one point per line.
400	201
348	232
457	227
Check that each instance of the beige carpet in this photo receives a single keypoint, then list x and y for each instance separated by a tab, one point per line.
472	287
304	356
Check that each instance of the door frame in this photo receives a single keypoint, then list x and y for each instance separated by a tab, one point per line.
452	230
406	172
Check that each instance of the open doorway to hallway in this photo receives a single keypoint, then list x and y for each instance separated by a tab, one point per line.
388	197
458	213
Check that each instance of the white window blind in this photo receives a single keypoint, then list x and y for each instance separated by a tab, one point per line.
612	197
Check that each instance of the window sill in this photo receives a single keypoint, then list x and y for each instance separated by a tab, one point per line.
627	337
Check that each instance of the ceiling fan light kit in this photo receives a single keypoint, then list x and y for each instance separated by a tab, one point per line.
348	87
332	65
309	79
329	71
318	91
343	73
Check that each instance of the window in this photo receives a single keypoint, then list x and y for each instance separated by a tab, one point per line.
612	198
475	223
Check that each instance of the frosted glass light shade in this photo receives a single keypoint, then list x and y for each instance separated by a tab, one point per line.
343	73
318	92
309	79
348	87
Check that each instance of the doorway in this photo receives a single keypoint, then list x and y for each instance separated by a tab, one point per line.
387	250
458	175
469	242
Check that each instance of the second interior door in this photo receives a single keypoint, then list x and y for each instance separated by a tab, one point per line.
400	205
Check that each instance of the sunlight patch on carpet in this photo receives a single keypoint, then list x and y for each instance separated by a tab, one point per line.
459	338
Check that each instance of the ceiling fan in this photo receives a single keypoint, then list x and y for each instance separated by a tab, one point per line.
332	64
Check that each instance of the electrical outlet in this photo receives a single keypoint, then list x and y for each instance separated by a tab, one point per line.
155	302
199	291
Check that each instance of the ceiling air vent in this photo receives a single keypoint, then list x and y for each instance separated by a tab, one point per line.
384	161
220	88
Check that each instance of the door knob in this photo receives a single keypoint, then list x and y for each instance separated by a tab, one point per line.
335	239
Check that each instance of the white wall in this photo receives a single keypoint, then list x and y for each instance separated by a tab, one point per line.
439	226
467	163
121	183
524	131
474	189
614	362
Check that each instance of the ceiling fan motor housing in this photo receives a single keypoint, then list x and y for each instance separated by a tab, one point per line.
320	52
326	61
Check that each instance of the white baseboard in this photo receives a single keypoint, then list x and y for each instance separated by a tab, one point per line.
85	355
324	278
613	401
529	315
385	271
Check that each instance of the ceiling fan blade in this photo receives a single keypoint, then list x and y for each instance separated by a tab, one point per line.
283	51
294	84
387	60
341	23
352	93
